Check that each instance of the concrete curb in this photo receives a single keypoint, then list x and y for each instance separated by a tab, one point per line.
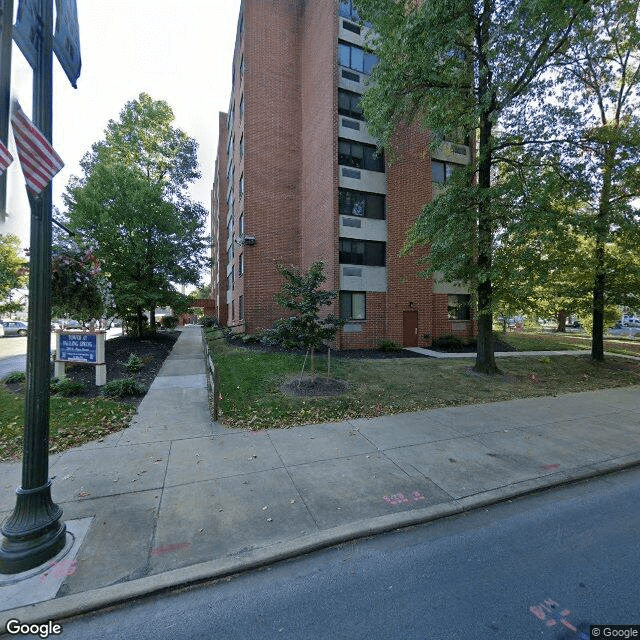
81	603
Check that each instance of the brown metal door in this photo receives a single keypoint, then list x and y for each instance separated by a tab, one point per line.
409	328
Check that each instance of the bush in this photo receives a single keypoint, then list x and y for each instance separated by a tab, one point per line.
123	387
449	342
134	363
169	322
15	376
211	322
65	387
250	338
389	346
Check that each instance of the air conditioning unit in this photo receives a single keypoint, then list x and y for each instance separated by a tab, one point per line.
248	240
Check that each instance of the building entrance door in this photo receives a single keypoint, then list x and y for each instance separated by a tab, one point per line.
409	328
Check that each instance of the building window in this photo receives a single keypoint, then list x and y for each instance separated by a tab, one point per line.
353	305
241	264
230	282
360	156
459	306
233	310
349	104
369	253
241	224
241	146
441	171
241	67
240	308
241	107
356	58
358	203
241	186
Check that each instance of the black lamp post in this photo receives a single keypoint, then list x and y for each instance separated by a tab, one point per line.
34	533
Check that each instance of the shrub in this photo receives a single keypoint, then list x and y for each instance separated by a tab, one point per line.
389	345
66	387
250	338
211	322
449	342
133	364
123	387
15	376
169	322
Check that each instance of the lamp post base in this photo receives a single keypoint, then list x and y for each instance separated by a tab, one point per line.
33	533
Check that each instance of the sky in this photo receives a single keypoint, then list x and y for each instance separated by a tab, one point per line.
179	51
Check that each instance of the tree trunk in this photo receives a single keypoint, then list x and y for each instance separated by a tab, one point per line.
602	233
485	359
152	320
313	366
562	321
139	321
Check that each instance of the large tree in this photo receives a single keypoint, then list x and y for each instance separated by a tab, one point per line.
132	204
591	135
460	69
13	272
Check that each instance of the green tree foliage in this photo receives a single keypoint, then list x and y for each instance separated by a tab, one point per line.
591	138
13	272
133	205
302	294
78	288
456	67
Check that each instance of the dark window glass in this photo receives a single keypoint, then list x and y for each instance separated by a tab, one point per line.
442	171
356	58
344	103
360	156
345	8
352	305
370	61
375	206
437	171
358	203
373	161
349	104
362	252
344	55
459	306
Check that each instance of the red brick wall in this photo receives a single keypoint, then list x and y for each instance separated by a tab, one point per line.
219	222
319	210
272	165
409	187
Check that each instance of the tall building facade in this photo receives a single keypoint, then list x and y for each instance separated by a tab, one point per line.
298	179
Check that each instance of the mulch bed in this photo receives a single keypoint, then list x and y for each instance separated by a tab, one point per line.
319	387
499	345
152	350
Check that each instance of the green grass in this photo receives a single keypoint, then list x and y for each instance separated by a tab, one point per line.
548	341
72	422
251	398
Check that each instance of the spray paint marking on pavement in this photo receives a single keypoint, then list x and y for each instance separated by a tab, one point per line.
552	614
60	569
179	546
399	498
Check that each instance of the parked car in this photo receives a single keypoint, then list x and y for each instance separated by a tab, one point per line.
15	328
1	329
631	322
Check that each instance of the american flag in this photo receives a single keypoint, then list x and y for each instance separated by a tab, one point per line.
38	159
5	158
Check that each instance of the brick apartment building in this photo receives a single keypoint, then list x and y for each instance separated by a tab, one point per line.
297	179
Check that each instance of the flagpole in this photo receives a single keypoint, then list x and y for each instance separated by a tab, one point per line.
34	533
6	27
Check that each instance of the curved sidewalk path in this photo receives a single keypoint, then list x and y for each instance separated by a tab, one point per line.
175	498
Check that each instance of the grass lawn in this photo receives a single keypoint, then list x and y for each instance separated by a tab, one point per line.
251	398
549	341
72	422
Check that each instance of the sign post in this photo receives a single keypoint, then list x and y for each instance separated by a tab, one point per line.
81	346
34	533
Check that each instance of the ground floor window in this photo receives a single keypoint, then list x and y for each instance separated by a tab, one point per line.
459	306
240	308
366	252
353	305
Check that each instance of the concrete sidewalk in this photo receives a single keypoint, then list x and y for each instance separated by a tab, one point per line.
175	498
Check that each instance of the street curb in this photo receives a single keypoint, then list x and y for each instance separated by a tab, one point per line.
58	609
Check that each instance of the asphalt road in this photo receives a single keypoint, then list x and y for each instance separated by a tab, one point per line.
544	566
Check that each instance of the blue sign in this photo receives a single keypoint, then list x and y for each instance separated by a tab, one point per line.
66	41
78	347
